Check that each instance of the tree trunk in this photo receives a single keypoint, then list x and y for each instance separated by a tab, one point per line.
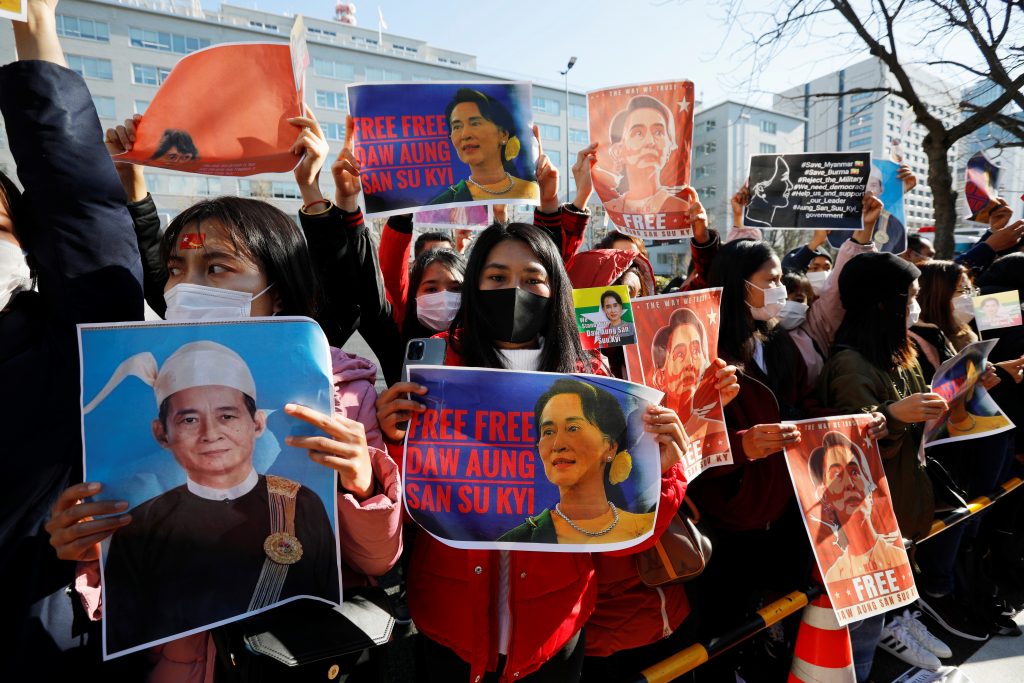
940	180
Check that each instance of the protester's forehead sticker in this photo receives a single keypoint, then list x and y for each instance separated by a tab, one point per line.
192	240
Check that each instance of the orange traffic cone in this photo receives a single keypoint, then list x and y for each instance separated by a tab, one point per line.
823	652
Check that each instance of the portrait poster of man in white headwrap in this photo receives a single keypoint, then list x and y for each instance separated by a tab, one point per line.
185	422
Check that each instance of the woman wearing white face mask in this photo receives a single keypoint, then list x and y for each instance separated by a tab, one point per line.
436	284
232	257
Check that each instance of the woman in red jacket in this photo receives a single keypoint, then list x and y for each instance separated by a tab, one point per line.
508	615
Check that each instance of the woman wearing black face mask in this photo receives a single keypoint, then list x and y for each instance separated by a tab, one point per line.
515	613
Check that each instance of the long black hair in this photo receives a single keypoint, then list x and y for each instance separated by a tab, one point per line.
492	110
266	236
562	350
412	328
739	332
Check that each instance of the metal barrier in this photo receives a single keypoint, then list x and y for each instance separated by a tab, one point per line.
693	656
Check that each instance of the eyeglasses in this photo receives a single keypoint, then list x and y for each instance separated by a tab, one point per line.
969	291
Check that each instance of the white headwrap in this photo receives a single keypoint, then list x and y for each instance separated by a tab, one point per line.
196	364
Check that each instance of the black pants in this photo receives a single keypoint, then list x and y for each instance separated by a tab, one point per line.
437	664
624	665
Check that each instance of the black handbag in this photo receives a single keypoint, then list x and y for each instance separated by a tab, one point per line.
305	640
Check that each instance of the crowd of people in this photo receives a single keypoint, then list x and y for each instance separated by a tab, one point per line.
814	333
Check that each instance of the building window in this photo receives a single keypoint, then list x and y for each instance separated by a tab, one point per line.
264	27
91	67
141	106
166	42
861	142
405	48
768	127
86	29
578	111
861	96
549	132
710	148
331	69
546	105
578	136
703	171
189	186
321	32
555	156
863	118
709	125
328	99
104	107
709	191
449	60
147	74
333	131
365	42
864	130
376	75
767	148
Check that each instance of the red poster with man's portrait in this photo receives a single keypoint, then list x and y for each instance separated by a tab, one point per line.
676	342
223	111
642	174
847	510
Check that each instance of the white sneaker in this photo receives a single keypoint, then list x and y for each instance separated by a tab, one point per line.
897	641
922	635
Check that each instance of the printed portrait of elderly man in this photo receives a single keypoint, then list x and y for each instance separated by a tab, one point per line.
229	540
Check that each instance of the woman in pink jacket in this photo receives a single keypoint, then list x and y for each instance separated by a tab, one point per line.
220	248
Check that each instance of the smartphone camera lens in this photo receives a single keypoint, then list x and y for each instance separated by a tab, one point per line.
416	350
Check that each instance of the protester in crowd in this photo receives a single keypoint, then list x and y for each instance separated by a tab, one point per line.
799	297
516	313
812	257
919	249
436	282
623	242
812	335
565	224
873	367
70	235
233	246
977	466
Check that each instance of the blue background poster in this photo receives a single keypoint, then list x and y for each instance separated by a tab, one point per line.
289	360
473	471
891	232
408	159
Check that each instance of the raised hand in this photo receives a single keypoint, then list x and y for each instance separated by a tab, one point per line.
346	172
312	146
344	450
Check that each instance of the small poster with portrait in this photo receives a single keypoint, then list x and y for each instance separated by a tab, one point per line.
185	423
677	342
972	412
463	217
604	317
821	191
16	10
847	511
443	144
890	232
223	111
981	176
997	310
642	174
539	461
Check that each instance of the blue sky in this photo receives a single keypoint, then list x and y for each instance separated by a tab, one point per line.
616	43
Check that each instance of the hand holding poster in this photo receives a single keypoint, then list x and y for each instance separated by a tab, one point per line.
223	110
185	424
677	342
972	412
890	231
603	316
847	510
443	144
552	463
801	191
997	310
644	134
